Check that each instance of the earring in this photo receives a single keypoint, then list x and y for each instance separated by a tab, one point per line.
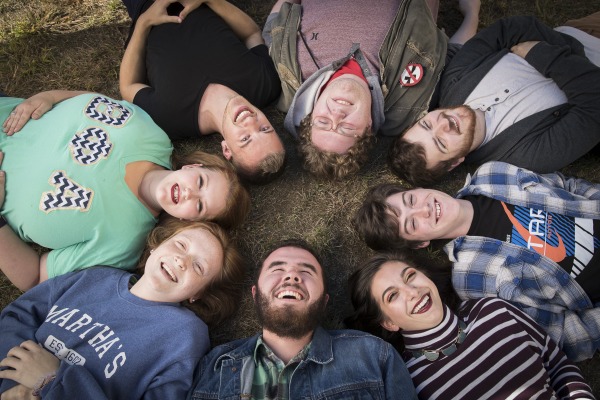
192	300
151	251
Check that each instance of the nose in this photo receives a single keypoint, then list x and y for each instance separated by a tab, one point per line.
182	262
422	210
410	292
292	276
190	193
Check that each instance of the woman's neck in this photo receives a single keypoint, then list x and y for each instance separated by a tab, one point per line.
142	178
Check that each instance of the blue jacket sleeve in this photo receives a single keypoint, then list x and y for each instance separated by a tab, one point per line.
396	377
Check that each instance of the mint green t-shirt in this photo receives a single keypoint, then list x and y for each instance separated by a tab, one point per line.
65	180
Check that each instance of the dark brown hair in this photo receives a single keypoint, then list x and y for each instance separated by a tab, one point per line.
377	223
367	315
407	161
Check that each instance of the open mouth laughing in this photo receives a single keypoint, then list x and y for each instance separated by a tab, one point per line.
438	210
175	193
242	114
168	271
288	293
423	305
453	122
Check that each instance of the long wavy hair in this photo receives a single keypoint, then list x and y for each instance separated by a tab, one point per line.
367	315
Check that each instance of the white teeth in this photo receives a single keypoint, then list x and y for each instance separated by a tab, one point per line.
421	304
289	293
176	194
438	210
171	274
243	115
344	102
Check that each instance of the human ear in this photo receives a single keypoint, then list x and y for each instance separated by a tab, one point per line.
390	326
226	150
421	245
254	293
189	166
456	163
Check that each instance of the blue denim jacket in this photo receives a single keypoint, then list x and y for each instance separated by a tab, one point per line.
341	364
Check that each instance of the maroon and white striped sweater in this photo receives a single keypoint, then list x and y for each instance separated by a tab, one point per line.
505	355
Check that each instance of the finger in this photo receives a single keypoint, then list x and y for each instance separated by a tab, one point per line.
30	345
171	19
42	109
1	157
9	120
10	362
8	373
17	352
14	120
21	119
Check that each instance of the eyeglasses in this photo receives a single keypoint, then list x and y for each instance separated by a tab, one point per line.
341	129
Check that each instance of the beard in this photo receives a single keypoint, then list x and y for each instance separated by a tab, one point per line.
288	321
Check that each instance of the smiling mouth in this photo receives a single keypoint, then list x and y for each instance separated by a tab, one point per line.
343	102
438	210
242	114
454	122
169	272
423	305
287	293
175	193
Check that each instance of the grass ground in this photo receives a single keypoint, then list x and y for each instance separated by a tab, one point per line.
78	44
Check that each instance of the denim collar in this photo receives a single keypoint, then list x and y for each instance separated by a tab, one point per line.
321	349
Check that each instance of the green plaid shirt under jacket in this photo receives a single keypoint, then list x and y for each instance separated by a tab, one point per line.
271	376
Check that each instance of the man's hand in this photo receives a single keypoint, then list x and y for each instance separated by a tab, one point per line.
522	49
34	107
2	181
157	14
190	5
18	392
30	363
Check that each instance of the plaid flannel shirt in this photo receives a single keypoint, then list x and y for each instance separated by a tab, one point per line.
485	267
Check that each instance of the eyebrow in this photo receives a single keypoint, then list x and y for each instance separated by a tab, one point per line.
391	287
246	143
205	186
405	219
305	265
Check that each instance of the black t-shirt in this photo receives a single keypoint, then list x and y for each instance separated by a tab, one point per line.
183	59
572	243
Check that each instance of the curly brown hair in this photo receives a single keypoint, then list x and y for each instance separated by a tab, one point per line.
332	165
237	202
407	161
220	298
377	223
